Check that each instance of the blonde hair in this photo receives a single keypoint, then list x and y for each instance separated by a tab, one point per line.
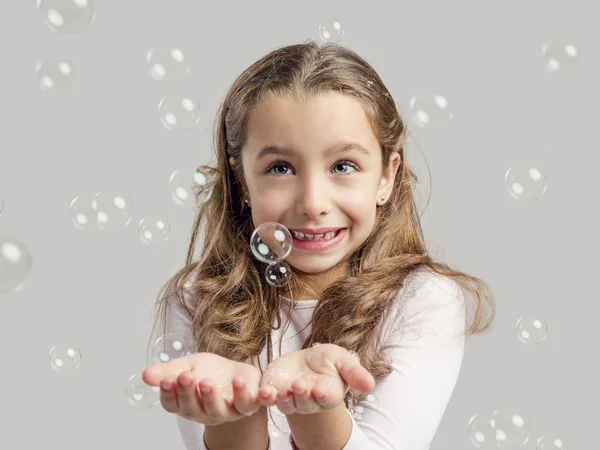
233	306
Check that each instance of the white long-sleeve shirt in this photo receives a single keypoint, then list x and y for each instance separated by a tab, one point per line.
426	335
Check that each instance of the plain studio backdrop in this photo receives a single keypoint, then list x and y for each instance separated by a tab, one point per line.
95	291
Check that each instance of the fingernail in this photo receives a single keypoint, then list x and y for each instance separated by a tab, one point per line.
166	385
205	390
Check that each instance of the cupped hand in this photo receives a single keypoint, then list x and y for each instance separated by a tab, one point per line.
206	388
313	380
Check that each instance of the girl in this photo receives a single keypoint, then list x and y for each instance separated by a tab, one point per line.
309	137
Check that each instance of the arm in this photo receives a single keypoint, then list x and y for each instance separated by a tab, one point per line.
426	347
248	433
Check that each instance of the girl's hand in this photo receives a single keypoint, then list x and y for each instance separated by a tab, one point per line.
313	380
232	388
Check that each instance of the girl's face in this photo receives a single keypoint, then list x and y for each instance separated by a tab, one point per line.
316	164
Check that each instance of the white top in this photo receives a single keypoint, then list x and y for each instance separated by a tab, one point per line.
426	332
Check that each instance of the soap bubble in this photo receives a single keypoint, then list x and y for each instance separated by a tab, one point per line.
101	211
526	182
552	443
561	56
139	394
169	346
64	359
271	242
499	430
67	16
167	64
531	330
15	263
277	274
55	74
178	113
154	231
429	110
201	182
331	30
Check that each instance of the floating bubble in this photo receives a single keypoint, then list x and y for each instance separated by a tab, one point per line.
526	182
178	113
55	74
531	330
101	211
499	430
481	432
67	16
561	56
64	359
430	110
201	184
139	394
513	429
15	263
169	346
331	30
552	443
154	231
1	206
167	64
271	242
277	274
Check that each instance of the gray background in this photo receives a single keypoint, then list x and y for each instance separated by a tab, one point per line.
97	290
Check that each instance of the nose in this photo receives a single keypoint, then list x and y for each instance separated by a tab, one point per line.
313	199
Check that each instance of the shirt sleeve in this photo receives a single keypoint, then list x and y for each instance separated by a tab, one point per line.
192	433
426	339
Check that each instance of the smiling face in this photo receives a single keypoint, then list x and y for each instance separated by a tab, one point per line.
316	164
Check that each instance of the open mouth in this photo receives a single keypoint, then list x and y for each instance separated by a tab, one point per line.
316	237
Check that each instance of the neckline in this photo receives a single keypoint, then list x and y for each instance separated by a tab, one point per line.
299	303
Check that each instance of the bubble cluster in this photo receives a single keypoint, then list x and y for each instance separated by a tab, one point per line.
101	211
271	243
499	430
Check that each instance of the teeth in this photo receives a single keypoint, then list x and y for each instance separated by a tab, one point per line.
313	237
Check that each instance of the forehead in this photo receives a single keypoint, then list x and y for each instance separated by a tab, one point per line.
312	124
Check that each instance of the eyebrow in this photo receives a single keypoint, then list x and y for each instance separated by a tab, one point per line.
333	149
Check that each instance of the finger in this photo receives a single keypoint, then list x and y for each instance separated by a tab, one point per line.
214	404
354	373
187	395
153	374
327	396
244	401
168	396
267	395
286	402
305	403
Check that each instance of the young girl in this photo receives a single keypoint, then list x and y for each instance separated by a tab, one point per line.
309	137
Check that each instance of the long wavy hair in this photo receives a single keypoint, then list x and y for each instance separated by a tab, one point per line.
233	307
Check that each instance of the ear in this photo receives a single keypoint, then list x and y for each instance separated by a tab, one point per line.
386	184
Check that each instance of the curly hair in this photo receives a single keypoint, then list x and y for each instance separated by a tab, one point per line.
234	308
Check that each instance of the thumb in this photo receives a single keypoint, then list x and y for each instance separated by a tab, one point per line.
354	373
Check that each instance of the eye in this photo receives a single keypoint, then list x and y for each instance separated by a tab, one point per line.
339	164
